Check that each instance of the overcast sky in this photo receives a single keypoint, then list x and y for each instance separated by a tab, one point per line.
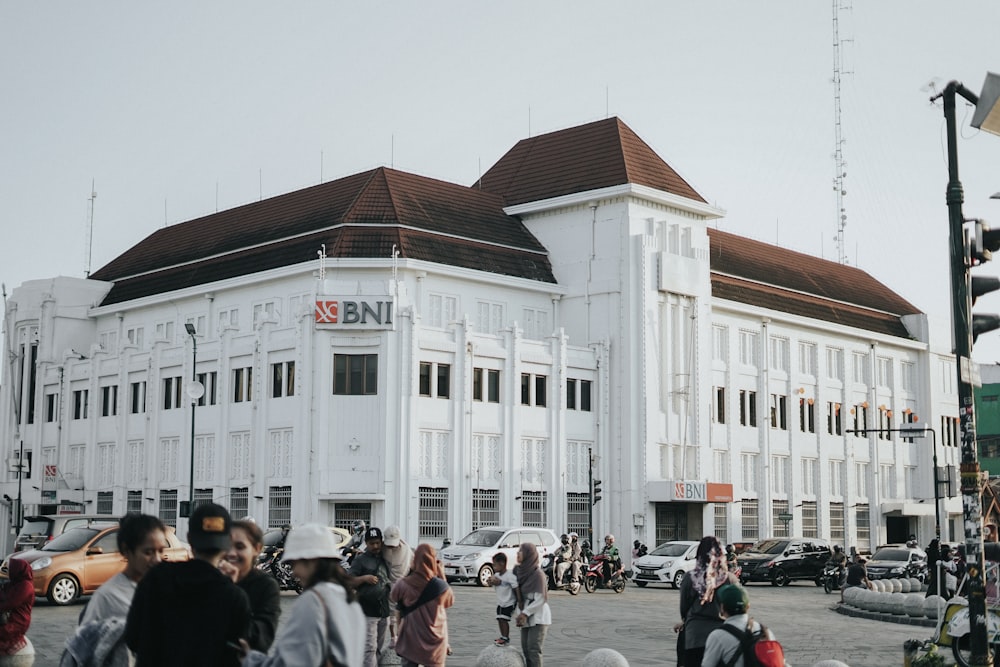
178	109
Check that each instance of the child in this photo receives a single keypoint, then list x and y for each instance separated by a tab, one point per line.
505	583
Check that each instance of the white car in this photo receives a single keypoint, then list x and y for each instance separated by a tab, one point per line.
472	556
666	564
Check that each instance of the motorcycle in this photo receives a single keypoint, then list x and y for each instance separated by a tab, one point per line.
270	562
594	577
830	578
567	583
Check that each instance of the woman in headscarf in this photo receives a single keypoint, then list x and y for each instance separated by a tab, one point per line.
699	608
534	617
421	598
17	596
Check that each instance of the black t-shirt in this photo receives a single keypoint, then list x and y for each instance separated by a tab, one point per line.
374	598
856	574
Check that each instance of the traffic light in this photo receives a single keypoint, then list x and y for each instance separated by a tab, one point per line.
595	492
985	242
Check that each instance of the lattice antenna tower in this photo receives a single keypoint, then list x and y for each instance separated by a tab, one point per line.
89	241
840	165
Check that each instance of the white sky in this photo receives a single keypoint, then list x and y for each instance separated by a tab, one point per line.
180	108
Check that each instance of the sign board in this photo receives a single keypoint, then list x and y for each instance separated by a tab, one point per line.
354	312
785	516
51	474
704	492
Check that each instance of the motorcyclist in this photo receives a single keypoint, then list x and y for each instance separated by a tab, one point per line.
638	549
576	555
585	552
563	557
731	563
357	542
613	563
839	561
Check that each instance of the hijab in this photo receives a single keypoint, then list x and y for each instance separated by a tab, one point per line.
710	571
425	567
529	576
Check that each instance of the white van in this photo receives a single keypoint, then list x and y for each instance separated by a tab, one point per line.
472	556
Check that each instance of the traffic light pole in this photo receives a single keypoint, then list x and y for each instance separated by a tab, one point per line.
961	319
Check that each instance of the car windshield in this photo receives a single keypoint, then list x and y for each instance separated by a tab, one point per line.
891	554
481	538
769	547
72	540
671	549
40	527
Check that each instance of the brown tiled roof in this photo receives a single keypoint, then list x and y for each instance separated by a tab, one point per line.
596	155
769	276
358	216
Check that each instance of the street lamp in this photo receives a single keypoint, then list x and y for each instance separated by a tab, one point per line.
195	390
986	118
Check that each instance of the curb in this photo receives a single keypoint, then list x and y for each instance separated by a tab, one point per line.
848	610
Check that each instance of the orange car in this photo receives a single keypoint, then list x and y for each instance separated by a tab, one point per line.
81	559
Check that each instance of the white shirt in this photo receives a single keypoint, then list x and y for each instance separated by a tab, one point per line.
113	598
505	589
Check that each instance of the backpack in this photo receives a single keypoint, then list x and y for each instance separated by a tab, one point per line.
757	650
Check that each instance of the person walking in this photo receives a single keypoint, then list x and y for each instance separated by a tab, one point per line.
370	577
326	625
700	610
17	596
399	557
422	597
262	590
723	646
186	613
534	616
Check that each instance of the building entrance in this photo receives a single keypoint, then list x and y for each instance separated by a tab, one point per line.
671	522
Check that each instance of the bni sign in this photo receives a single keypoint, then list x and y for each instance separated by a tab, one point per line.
337	312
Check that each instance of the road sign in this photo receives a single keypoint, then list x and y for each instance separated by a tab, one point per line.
785	516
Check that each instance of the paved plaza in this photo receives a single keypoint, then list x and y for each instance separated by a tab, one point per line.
636	623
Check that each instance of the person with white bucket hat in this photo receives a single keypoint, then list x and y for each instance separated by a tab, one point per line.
325	625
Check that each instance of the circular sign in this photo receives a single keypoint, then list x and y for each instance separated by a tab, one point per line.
194	390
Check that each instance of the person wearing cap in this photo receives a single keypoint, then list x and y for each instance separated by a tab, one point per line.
325	625
185	613
399	556
369	575
722	644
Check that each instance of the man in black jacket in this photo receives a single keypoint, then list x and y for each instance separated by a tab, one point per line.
185	613
370	577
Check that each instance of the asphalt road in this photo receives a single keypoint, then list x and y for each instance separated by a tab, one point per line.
637	623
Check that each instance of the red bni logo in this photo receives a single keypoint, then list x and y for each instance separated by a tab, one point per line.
326	312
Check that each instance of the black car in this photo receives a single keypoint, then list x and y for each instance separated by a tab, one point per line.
781	560
893	562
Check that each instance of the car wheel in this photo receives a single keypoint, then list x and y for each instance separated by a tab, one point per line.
641	584
485	572
678	579
63	590
779	578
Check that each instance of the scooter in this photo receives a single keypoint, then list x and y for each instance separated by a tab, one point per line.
270	561
595	576
567	583
830	578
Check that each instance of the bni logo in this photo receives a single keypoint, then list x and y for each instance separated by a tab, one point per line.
326	312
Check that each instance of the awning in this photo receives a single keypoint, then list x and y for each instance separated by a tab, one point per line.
908	508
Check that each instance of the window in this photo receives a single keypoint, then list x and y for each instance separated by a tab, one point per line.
578	512
949	432
432	522
748	407
807	415
887	481
229	318
861	479
810	522
172	392
779	354
948	378
536	323
808	477
749	471
198	322
51	407
907	376
749	520
133	502
435	379
485	508
807	358
860	366
489	317
837	522
860	413
492	378
108	340
135	336
266	311
721	522
279	506
863	519
137	397
836	478
209	381
242	384
109	400
779	474
443	309
748	348
168	507
239	501
200	497
884	423
883	372
345	514
533	508
834	422
779	412
283	379
165	331
355	374
720	343
720	464
578	395
779	507
834	364
719	405
80	400
530	382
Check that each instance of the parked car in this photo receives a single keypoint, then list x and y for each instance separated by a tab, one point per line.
39	529
781	560
666	564
471	557
81	559
892	562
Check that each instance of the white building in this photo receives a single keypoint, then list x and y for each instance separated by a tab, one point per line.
404	350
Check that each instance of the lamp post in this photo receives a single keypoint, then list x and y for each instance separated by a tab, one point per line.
195	390
985	117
